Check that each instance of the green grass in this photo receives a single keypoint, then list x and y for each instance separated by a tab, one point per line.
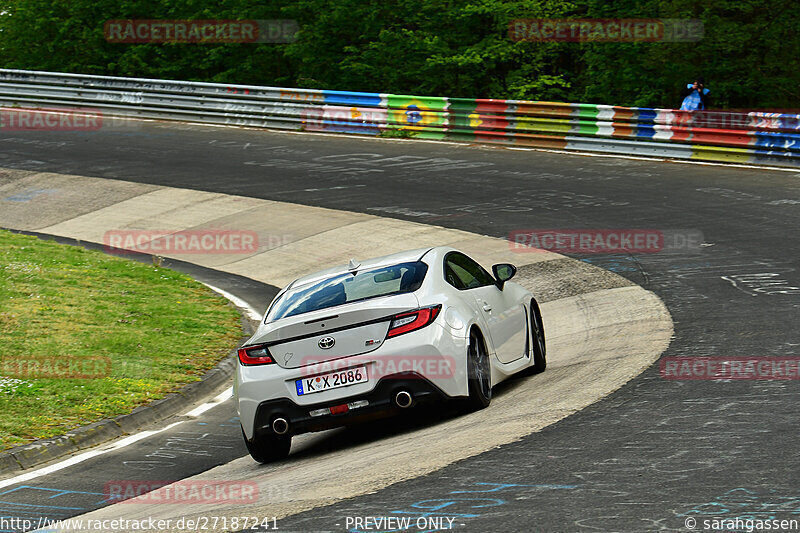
398	133
152	329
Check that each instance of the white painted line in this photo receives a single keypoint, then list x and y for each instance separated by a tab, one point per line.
200	409
736	165
362	136
194	413
84	456
572	152
595	154
287	131
668	160
338	187
238	302
464	144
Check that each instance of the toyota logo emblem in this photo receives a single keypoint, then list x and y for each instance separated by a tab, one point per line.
326	342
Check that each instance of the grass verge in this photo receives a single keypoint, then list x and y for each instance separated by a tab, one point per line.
86	336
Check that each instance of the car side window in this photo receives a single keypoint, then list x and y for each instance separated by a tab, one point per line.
451	277
463	273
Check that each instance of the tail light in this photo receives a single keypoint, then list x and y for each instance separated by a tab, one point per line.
255	355
414	320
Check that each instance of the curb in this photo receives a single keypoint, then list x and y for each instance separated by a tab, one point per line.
43	451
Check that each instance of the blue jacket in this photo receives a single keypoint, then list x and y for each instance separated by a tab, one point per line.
694	99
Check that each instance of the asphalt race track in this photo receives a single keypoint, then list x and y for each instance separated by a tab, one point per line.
648	457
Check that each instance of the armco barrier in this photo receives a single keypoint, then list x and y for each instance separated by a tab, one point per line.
735	137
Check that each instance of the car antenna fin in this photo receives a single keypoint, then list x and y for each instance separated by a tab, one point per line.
353	265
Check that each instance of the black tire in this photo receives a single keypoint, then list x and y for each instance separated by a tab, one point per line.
268	449
479	374
538	344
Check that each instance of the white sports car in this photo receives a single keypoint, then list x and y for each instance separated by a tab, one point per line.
372	338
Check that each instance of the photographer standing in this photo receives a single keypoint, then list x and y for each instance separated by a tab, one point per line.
695	95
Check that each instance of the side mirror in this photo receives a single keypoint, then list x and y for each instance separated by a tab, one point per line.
502	273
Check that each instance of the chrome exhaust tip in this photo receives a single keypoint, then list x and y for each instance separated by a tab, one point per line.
403	399
280	426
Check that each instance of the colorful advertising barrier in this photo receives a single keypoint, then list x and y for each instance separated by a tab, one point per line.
751	137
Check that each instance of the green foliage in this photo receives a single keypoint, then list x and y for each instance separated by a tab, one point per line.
458	48
398	134
155	330
436	47
749	56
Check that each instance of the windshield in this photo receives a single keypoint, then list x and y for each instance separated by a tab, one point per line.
347	288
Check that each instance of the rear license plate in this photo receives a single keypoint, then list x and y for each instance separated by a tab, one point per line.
331	380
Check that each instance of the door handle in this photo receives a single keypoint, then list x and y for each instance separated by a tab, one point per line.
486	306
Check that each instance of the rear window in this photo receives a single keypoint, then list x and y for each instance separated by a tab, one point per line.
347	288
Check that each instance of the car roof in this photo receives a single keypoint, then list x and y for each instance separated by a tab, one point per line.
408	256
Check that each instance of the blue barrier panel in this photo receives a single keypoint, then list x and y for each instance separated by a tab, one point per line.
647	115
352	99
781	141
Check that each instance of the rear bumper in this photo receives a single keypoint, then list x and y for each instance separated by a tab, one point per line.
431	355
380	403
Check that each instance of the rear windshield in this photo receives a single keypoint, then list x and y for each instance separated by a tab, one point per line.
346	288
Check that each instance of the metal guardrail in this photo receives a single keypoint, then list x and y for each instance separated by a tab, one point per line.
753	137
